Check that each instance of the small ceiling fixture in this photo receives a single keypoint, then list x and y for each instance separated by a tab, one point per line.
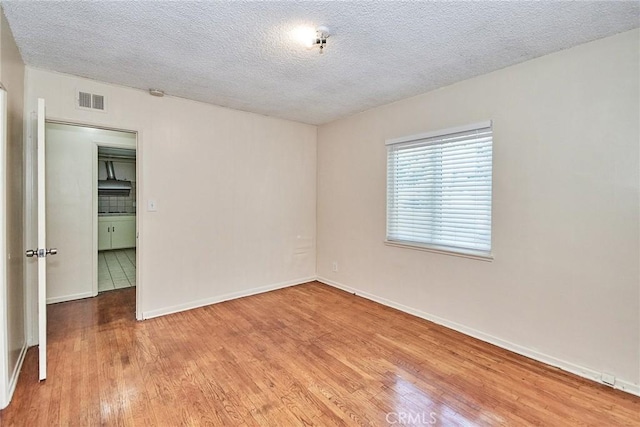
156	92
311	38
322	34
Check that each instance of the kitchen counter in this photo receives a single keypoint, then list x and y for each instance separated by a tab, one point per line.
116	214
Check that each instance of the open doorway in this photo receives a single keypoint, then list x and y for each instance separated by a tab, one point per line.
94	228
116	218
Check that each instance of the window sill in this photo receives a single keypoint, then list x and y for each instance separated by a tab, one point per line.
481	256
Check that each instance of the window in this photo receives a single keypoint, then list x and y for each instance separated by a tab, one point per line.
439	190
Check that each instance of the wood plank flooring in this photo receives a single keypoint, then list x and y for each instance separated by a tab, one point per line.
300	356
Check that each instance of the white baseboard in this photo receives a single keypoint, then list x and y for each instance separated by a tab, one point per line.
581	371
13	381
225	297
72	297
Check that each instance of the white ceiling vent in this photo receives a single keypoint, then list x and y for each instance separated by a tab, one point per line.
90	101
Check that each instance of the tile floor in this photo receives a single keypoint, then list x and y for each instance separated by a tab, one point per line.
116	269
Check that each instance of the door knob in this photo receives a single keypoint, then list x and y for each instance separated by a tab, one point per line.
41	253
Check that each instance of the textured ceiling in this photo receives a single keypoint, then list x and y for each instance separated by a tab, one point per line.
241	54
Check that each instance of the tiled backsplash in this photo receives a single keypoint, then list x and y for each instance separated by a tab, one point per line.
118	204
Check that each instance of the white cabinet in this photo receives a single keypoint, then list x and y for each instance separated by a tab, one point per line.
116	232
104	234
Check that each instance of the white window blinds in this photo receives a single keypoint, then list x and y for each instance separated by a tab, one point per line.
439	189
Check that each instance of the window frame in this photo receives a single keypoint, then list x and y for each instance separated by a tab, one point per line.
434	247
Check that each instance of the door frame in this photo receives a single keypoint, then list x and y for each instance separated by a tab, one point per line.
4	363
29	205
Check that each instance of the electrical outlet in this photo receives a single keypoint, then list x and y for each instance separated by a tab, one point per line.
335	266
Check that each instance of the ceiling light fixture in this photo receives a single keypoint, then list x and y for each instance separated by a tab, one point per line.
322	34
311	38
156	92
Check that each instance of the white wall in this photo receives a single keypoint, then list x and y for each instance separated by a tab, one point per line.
564	285
12	324
70	169
235	192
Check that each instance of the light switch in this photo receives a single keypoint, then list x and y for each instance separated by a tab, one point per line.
151	206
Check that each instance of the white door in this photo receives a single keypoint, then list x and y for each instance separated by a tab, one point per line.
41	252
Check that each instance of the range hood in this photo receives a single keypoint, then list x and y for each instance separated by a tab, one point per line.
111	186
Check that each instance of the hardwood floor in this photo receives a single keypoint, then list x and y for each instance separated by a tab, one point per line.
305	355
